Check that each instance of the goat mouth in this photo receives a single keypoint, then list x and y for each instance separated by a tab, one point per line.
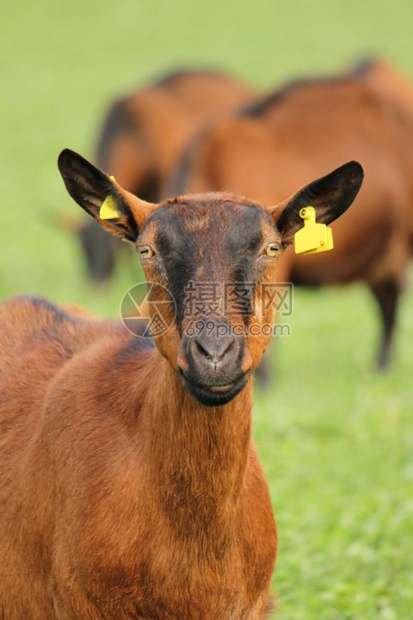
213	395
221	389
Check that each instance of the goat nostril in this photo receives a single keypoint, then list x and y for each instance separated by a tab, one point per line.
226	350
202	350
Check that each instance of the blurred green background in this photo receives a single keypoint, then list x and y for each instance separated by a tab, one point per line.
335	439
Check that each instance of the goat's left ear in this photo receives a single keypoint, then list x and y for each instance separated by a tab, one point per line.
330	196
117	210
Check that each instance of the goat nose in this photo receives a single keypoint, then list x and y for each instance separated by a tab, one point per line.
214	352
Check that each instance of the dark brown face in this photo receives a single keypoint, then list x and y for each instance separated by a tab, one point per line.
216	254
212	253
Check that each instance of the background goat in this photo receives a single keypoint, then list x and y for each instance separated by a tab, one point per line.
142	137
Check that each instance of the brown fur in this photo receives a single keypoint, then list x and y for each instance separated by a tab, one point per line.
291	136
122	495
95	459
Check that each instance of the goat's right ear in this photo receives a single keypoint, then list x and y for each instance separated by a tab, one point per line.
330	196
123	214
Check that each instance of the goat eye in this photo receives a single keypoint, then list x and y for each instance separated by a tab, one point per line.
273	249
146	251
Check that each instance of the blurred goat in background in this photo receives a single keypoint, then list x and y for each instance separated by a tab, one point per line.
142	137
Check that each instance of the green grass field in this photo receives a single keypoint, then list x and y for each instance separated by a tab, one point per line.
335	439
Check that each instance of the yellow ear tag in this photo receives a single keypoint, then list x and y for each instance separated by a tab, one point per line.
109	210
313	237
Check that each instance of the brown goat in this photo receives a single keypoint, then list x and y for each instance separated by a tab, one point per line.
289	137
142	137
130	487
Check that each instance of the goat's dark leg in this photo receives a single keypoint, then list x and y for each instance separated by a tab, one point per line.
387	293
99	249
